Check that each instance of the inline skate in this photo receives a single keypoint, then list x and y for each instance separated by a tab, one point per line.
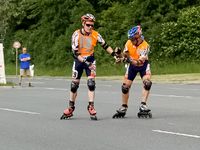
92	112
68	113
121	112
144	111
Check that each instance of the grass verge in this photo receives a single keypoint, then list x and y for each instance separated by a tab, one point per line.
114	69
8	84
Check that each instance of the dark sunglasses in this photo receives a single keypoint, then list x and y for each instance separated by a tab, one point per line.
89	25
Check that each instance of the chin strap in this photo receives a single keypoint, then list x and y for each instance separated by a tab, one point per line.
84	32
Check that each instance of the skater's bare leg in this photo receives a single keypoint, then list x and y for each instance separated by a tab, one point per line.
146	88
121	112
74	88
68	112
144	111
125	91
145	92
91	95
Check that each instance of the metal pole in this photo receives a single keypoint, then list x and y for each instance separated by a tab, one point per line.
16	51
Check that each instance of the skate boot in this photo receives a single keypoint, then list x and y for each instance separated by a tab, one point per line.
68	113
92	112
144	111
30	85
121	112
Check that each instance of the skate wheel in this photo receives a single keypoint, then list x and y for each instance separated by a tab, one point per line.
64	117
114	116
150	115
138	115
93	117
119	115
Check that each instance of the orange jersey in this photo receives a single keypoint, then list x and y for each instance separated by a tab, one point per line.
85	44
136	52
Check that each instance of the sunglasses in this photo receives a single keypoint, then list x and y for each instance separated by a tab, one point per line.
89	25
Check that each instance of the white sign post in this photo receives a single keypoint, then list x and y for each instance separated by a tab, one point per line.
16	45
2	66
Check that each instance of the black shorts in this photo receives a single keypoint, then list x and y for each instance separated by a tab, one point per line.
78	67
132	70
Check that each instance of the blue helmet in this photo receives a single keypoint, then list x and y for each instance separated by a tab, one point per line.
133	31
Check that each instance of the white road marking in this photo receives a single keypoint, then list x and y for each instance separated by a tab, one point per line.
188	89
51	88
176	133
20	111
177	96
59	89
42	88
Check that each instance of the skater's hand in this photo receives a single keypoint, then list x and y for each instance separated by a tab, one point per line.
117	59
117	55
143	58
90	65
127	60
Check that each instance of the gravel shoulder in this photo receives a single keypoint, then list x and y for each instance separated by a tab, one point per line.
193	78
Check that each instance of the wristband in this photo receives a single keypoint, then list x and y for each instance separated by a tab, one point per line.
113	54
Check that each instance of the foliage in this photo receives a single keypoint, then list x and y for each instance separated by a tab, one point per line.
45	27
180	40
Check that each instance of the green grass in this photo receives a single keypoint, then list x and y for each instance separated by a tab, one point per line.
114	69
175	68
10	69
7	84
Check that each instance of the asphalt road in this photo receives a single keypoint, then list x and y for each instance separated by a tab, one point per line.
30	117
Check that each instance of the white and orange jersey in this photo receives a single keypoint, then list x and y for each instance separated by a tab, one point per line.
85	44
136	51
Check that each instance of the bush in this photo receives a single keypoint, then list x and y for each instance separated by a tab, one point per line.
179	41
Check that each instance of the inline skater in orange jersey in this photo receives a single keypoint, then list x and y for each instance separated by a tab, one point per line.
136	55
83	42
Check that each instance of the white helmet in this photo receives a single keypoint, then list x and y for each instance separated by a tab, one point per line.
88	17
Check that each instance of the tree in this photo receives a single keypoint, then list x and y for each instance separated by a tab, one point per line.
179	40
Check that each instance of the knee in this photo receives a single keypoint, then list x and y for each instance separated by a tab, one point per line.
91	84
74	86
147	84
125	88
